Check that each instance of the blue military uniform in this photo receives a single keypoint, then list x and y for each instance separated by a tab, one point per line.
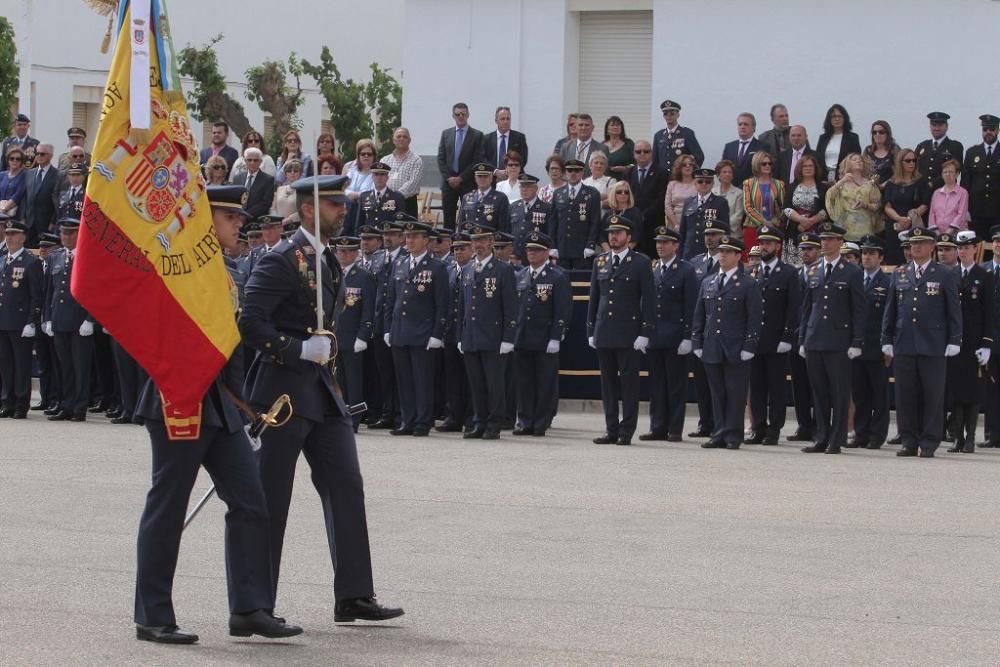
669	144
490	207
676	285
980	171
931	153
70	204
382	267
21	295
575	221
544	307
458	416
355	323
802	399
991	418
781	307
620	319
869	373
527	216
699	211
727	320
376	207
45	349
487	318
923	317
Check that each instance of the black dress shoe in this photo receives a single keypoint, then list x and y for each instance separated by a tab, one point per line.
853	444
770	440
926	455
54	410
874	445
673	437
800	436
164	634
700	434
624	440
19	414
122	419
754	439
732	445
491	434
713	444
100	407
5	413
82	417
363	609
606	439
114	414
646	437
832	449
420	432
401	431
39	406
384	424
60	417
906	452
523	431
957	449
894	440
473	435
815	449
538	434
448	427
969	448
260	623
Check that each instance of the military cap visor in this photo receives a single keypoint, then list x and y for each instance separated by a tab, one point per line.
228	197
538	241
527	179
69	224
946	241
48	240
922	236
989	121
731	243
16	227
330	188
574	165
938	117
476	231
21	118
669	105
808	240
346	243
76	132
664	233
483	169
416	227
768	233
851	248
831	230
619	223
380	168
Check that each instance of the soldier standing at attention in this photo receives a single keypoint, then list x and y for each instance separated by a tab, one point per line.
392	237
456	386
705	207
705	266
922	326
724	335
355	324
21	295
575	219
485	203
805	420
982	164
934	152
620	319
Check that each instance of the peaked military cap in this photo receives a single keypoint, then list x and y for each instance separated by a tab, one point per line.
501	239
922	235
330	188
228	197
21	118
619	223
76	132
669	105
574	164
851	248
346	242
664	233
938	117
769	233
995	232
871	242
754	251
704	172
242	236
269	220
16	227
370	232
831	230
527	179
966	237
538	241
77	169
69	224
460	239
48	240
483	169
416	227
989	121
808	240
715	227
478	230
380	168
947	240
731	243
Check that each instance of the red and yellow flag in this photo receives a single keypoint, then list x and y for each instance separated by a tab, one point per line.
149	267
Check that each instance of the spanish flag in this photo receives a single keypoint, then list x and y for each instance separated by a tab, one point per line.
149	267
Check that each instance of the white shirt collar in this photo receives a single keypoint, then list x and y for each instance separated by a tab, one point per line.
537	272
669	262
872	274
620	255
773	264
309	237
922	267
500	134
419	258
347	269
729	274
15	255
483	263
964	267
394	254
530	203
832	264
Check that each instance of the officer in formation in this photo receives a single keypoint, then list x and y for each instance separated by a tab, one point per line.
544	307
808	244
980	171
71	198
528	214
45	350
372	260
674	140
676	287
725	333
703	208
620	319
575	219
355	322
279	321
991	424
380	203
485	203
934	152
458	415
224	449
705	266
392	240
21	294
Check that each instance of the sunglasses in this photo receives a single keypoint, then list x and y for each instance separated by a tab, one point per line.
642	151
909	160
222	166
254	141
366	154
878	132
765	164
293	141
460	114
703	180
14	159
40	154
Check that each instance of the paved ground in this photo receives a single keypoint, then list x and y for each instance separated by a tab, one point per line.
529	551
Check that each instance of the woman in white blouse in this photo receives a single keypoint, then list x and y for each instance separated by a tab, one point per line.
598	179
284	195
510	187
724	172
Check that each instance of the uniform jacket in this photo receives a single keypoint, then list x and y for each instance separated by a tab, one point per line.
978	176
676	295
929	161
923	317
278	314
781	306
454	296
544	307
487	309
22	291
667	146
876	298
524	220
375	208
61	307
574	223
356	320
493	207
622	301
39	206
833	309
976	294
727	319
704	266
71	206
693	219
416	301
381	268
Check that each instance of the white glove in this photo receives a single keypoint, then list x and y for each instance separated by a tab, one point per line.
87	328
434	343
316	349
385	337
698	353
590	342
745	355
802	351
552	347
983	356
254	442
951	350
588	253
640	344
684	347
47	328
460	349
853	352
359	346
553	253
784	347
28	331
887	350
506	348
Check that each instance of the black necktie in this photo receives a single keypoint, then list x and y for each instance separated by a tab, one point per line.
767	271
642	175
722	280
935	144
743	150
827	272
989	152
616	262
868	281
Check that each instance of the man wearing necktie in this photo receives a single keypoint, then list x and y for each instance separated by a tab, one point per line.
980	169
575	219
699	210
808	244
934	152
459	149
741	151
831	332
922	326
991	405
259	184
484	202
71	200
504	140
378	204
20	139
724	335
22	292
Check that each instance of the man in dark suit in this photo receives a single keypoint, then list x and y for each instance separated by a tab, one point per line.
620	319
220	146
676	288
869	372
39	202
497	144
459	150
674	140
789	158
649	186
278	320
259	185
921	328
575	219
484	203
831	332
22	292
528	214
776	140
741	151
982	163
781	300
724	334
934	152
585	144
45	351
700	210
356	322
20	139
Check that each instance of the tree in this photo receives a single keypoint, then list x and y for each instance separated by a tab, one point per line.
358	111
9	76
209	100
267	85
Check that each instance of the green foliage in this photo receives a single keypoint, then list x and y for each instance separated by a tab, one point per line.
209	100
358	111
9	76
267	85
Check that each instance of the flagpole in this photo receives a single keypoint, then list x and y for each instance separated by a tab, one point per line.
319	252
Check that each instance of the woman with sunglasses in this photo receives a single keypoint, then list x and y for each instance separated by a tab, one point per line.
621	202
510	186
326	149
252	139
284	195
905	202
292	150
12	182
359	171
854	202
882	153
216	169
763	198
680	188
